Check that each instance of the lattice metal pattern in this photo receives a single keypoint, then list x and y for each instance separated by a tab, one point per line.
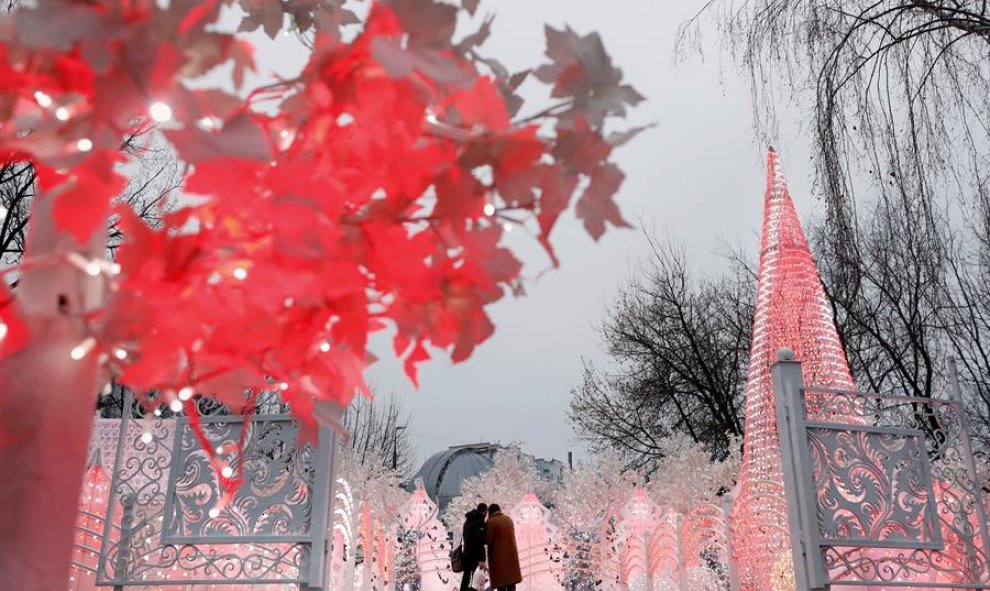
899	502
791	312
274	501
873	485
164	521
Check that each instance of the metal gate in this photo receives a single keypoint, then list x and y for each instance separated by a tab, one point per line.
881	490
166	525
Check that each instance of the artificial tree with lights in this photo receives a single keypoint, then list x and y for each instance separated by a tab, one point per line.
791	311
369	502
371	191
586	505
423	552
541	555
687	476
511	476
89	525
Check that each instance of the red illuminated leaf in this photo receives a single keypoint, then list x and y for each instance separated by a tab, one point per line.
239	138
353	198
418	355
83	202
580	148
596	206
557	187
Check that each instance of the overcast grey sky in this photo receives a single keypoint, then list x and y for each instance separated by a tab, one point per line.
698	177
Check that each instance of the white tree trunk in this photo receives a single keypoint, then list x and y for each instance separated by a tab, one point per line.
46	412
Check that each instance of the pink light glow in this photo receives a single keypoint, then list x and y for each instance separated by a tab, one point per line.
89	527
432	550
791	312
540	554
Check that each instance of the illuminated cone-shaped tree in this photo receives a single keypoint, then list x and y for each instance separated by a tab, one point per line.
791	312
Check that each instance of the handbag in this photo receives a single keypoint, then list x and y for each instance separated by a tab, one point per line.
456	555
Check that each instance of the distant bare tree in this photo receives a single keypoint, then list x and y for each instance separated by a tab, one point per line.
889	298
679	346
379	434
899	90
151	191
916	294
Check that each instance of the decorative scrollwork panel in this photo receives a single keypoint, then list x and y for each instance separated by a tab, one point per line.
165	525
894	490
274	500
873	486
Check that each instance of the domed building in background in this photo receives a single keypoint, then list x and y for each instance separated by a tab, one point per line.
443	472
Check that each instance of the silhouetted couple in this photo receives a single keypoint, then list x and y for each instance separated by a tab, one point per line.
498	534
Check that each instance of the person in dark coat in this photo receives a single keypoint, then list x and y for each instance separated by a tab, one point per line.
503	556
473	553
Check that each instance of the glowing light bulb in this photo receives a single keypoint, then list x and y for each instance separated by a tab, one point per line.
214	513
158	412
92	268
3	330
84	144
160	111
80	350
507	227
42	99
227	471
176	406
185	393
206	123
146	437
325	346
120	353
62	114
283	386
219	449
489	209
240	273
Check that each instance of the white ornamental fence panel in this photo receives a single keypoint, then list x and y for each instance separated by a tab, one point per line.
882	490
165	524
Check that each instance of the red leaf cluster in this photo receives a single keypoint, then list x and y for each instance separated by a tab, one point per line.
374	196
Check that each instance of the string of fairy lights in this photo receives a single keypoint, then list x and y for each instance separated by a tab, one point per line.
161	113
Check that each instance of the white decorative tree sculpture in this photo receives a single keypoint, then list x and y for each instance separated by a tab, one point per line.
512	476
639	549
540	552
585	506
424	552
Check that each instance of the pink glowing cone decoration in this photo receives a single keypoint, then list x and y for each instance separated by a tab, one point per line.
791	312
